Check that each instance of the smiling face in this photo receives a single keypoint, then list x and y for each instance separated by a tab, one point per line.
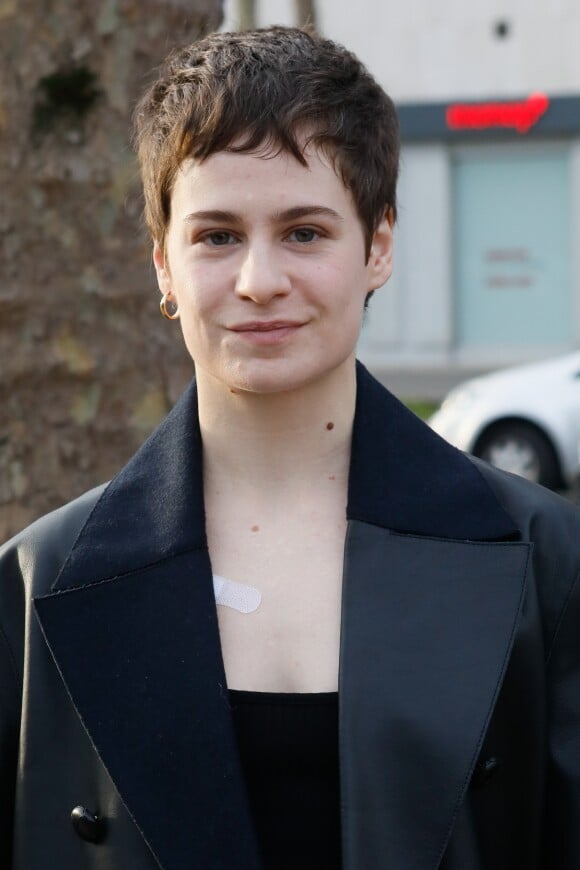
266	261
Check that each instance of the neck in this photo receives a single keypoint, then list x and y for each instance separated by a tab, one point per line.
294	439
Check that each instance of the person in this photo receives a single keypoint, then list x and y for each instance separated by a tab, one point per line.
297	630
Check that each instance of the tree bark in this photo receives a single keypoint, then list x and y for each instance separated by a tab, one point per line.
88	366
247	14
305	12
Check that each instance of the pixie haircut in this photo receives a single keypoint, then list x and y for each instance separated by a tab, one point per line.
271	90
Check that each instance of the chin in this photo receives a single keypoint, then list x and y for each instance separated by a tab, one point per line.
268	378
265	384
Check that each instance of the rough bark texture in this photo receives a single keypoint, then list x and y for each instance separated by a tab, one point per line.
247	14
306	12
87	365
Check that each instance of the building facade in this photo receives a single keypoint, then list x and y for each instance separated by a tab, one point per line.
487	267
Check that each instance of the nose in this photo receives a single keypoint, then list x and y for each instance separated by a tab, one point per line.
262	275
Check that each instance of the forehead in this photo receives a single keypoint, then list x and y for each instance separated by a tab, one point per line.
263	180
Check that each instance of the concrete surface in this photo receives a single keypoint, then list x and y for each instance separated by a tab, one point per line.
428	384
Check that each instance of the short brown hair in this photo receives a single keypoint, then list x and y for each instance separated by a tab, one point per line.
278	87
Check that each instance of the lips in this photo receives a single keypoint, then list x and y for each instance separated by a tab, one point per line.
265	325
267	333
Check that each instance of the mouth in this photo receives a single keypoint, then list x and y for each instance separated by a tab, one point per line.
265	325
267	332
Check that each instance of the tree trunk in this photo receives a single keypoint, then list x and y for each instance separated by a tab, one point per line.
247	14
88	366
305	12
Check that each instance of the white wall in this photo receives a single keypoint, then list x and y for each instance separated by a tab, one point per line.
411	318
575	233
424	50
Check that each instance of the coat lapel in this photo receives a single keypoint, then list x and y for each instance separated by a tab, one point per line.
132	626
433	583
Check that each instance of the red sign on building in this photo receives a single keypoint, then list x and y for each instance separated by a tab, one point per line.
520	115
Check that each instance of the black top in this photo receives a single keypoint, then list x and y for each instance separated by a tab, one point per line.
288	745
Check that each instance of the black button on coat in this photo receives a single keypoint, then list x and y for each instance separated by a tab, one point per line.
87	825
460	640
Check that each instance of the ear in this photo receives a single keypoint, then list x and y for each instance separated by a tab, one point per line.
162	269
380	262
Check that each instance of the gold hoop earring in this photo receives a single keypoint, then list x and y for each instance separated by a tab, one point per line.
171	313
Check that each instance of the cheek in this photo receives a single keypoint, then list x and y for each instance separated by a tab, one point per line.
345	286
194	293
201	311
204	283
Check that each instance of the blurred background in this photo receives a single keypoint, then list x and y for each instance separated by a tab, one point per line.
487	267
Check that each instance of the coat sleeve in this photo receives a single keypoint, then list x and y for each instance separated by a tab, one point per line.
11	630
562	799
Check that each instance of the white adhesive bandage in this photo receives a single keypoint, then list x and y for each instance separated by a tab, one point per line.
239	596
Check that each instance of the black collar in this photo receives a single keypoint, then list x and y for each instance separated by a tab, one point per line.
405	477
402	476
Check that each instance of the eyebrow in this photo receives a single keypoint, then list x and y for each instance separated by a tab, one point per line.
216	215
289	214
300	211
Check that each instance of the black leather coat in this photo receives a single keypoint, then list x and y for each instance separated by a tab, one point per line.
459	668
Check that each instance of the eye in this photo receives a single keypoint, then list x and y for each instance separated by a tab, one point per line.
304	235
219	238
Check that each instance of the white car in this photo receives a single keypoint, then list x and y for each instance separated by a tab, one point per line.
525	420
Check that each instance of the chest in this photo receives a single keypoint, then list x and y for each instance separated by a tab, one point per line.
290	642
